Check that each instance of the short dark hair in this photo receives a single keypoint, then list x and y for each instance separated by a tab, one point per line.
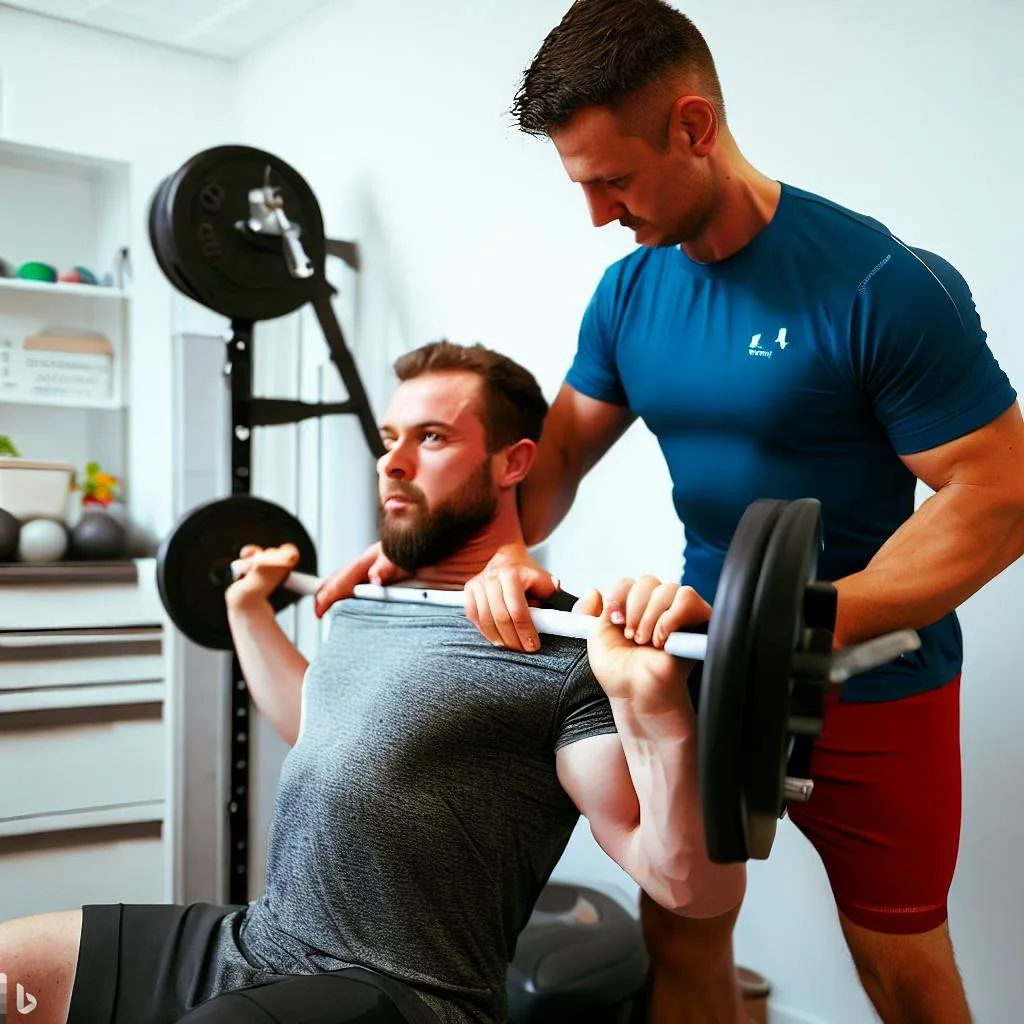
602	53
514	406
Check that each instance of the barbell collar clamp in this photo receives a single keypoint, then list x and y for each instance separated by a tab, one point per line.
838	666
797	791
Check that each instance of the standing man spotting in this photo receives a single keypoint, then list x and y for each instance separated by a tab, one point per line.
779	345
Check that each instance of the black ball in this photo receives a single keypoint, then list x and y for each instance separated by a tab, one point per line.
99	535
10	528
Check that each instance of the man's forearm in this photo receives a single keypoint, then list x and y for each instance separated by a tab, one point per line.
272	666
667	849
546	495
958	540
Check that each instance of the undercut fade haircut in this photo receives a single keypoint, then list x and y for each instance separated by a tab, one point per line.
615	54
514	406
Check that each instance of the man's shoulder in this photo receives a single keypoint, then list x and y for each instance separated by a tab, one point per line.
444	632
833	216
631	268
878	260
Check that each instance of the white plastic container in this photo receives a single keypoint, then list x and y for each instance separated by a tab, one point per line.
30	489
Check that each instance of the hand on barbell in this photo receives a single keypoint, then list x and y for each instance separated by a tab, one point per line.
372	566
259	572
633	666
497	602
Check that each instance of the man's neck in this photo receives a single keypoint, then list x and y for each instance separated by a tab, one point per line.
452	573
745	204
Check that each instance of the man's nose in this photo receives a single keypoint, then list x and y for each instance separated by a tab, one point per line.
396	463
603	208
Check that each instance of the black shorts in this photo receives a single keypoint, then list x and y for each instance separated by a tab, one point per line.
147	964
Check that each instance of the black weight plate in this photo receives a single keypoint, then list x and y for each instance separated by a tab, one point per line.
777	617
162	231
724	685
193	559
161	236
227	268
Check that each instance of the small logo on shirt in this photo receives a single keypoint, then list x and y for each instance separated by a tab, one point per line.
766	351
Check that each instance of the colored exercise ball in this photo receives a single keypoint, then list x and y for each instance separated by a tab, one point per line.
42	540
79	275
99	535
10	528
34	270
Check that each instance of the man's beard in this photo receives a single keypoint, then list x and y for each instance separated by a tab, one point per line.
433	535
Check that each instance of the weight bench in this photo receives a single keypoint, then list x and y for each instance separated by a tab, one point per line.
581	957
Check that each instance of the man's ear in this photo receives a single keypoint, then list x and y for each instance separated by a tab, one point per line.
515	462
695	123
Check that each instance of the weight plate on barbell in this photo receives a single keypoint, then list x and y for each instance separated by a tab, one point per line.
199	233
161	236
194	559
777	620
726	677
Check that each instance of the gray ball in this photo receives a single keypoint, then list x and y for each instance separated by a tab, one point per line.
99	535
42	540
10	527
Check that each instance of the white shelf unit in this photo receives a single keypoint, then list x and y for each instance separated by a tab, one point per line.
65	210
86	754
63	289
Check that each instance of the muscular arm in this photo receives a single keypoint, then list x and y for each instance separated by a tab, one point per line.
966	533
272	666
577	432
638	791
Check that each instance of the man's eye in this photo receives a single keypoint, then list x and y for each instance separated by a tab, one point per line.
618	183
432	437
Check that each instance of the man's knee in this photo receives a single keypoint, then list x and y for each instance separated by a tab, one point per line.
40	954
676	938
909	977
889	957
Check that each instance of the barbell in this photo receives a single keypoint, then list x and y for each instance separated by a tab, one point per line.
768	659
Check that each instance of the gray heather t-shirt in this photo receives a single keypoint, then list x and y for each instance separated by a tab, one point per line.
419	815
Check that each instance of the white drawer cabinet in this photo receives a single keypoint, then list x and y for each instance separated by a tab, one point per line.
36	659
70	760
84	749
67	870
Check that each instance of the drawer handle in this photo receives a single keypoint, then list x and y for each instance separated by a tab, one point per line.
25	646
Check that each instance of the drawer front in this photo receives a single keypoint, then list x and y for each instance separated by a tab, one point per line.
61	761
37	659
69	605
79	868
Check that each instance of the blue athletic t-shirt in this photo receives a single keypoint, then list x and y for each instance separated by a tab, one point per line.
802	366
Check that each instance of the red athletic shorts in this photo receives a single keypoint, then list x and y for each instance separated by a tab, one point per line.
885	812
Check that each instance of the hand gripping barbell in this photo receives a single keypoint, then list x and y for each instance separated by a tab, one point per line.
768	658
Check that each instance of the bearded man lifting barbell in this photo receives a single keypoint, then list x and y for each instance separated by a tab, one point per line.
433	781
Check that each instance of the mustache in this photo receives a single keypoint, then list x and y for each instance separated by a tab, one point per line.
630	222
399	490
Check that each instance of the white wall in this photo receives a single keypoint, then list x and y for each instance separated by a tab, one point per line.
70	88
898	110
